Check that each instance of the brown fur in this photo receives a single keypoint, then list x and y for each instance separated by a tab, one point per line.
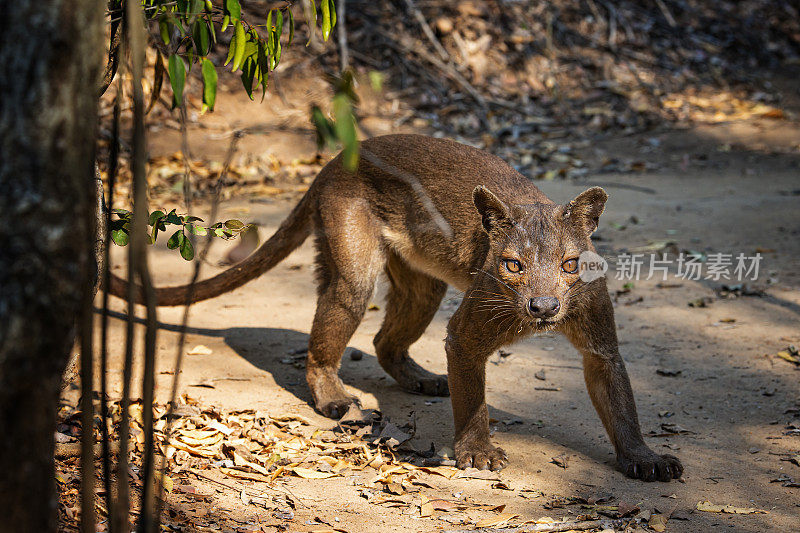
378	219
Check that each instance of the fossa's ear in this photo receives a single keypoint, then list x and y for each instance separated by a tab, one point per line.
493	211
586	208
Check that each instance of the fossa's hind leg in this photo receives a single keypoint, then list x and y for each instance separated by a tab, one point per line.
348	261
412	302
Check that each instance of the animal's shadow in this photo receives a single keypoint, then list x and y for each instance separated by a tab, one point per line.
276	350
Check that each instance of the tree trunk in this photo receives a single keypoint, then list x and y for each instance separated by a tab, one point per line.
50	67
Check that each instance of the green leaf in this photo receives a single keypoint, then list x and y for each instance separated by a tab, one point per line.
376	80
198	6
241	41
278	32
248	74
325	134
234	10
291	25
209	83
234	224
231	50
211	31
187	250
163	27
177	78
310	10
251	46
270	34
121	212
326	19
345	127
187	219
154	217
333	13
202	40
158	81
173	218
263	66
190	55
197	230
177	238
120	237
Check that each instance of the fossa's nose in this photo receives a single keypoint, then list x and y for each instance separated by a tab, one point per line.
543	306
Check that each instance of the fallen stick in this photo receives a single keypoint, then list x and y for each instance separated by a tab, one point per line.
251	490
665	11
426	29
547	528
406	44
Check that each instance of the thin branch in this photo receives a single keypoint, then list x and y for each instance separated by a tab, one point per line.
113	56
87	411
341	30
548	528
232	148
426	29
405	44
113	165
133	43
148	522
665	11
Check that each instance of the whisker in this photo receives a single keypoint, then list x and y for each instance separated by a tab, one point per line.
500	281
506	315
489	293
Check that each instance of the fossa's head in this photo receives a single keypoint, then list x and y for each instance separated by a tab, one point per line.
535	251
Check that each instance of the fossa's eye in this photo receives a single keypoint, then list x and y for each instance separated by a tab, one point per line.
513	266
570	266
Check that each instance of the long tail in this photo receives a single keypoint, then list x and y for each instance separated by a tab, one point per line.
291	234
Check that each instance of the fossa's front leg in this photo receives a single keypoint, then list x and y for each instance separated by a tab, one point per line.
593	332
466	375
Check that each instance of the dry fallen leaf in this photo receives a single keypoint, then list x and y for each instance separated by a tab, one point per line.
292	417
657	522
496	521
200	350
727	509
785	355
425	507
561	460
166	482
232	472
307	473
474	473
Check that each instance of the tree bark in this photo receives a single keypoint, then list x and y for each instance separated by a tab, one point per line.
50	68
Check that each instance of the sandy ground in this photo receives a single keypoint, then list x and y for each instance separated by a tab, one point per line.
732	394
726	188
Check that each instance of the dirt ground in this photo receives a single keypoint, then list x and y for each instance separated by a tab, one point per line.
717	188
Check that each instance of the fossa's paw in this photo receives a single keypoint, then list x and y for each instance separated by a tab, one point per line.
647	465
481	456
338	407
433	385
330	397
413	378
